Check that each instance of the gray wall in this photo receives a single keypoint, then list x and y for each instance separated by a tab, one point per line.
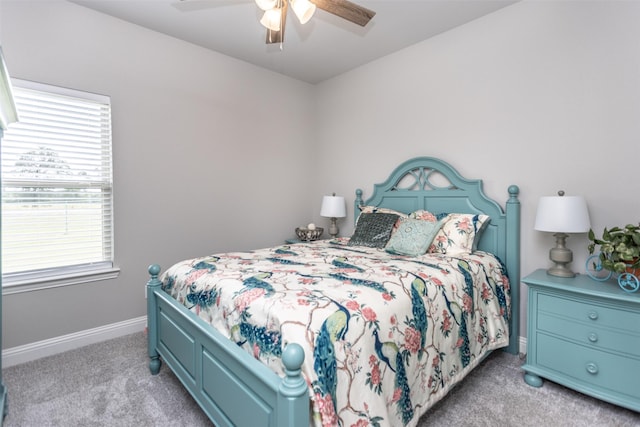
202	161
545	95
536	94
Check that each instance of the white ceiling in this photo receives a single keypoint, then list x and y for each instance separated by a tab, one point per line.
324	47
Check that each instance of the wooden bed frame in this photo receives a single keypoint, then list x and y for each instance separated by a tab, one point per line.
233	388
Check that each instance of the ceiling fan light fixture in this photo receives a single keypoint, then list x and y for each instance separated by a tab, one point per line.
266	4
271	19
303	9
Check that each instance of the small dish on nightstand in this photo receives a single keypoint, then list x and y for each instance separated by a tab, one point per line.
309	234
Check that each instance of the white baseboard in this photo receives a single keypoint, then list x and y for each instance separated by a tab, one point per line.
523	345
28	352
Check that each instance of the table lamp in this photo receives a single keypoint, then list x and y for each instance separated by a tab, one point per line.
561	215
333	207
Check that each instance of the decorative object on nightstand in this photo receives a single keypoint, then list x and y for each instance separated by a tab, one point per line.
333	207
309	233
628	281
619	254
561	215
585	335
619	247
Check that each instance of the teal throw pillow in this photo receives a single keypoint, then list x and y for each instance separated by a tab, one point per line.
413	237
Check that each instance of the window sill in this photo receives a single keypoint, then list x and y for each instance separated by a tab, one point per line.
28	285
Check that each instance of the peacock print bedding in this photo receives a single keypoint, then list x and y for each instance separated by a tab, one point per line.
385	336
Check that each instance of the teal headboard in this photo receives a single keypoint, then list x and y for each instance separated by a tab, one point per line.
432	184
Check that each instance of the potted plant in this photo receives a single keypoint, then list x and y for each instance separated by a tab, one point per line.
619	248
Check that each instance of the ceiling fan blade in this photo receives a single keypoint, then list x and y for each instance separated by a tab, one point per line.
346	10
278	36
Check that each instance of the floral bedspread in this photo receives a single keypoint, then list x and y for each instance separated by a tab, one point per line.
385	336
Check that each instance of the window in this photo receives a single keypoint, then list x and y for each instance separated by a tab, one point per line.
56	187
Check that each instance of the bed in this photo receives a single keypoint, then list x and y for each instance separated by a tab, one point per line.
341	332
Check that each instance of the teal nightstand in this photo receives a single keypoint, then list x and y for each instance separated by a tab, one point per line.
295	240
585	335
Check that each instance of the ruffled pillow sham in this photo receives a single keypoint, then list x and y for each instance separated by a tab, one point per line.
459	234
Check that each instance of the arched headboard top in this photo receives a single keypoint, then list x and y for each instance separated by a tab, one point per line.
431	184
427	183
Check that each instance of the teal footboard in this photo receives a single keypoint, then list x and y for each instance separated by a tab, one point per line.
232	388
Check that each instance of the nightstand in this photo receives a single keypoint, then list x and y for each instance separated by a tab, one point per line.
585	335
294	240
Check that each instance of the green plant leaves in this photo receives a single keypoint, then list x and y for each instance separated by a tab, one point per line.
619	247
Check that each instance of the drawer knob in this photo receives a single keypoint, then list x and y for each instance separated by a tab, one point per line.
593	337
593	315
592	368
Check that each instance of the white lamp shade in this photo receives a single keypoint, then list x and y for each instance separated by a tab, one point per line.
563	214
303	9
271	19
266	4
333	207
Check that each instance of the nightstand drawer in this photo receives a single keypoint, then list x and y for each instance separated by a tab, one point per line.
590	334
590	313
589	368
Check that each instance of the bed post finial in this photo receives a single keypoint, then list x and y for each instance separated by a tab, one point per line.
293	408
293	385
154	271
514	190
152	318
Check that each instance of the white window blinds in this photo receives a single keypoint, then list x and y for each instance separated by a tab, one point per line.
56	183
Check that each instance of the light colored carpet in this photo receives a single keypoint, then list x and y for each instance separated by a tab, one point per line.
109	384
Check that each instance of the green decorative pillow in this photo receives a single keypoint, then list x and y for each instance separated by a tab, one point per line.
413	237
373	230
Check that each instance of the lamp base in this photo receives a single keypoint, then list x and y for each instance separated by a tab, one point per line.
333	228
562	257
561	271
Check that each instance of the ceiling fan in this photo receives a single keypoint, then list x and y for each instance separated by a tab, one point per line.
275	14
